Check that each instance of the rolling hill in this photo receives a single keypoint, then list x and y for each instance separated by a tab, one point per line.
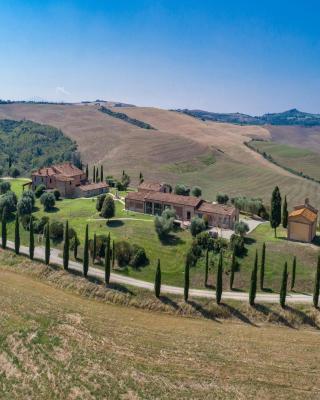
180	148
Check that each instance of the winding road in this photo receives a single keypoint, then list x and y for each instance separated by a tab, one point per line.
116	278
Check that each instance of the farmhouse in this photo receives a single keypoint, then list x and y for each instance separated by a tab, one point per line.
302	223
186	207
68	179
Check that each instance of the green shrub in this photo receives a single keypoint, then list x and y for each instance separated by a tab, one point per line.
100	200
56	231
56	194
48	201
139	257
4	187
9	202
123	252
197	226
39	191
25	206
237	244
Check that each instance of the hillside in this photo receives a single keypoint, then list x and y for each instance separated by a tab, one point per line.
26	145
290	117
56	343
180	149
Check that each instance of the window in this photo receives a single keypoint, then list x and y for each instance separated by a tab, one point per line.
157	209
188	215
148	207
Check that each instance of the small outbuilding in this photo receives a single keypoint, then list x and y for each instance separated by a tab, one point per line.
302	223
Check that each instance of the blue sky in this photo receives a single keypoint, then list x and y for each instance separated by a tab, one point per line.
246	56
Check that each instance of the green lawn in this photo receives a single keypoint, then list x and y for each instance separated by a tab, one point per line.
139	229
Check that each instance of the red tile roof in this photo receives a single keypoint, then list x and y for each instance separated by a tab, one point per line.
165	198
223	209
304	212
93	186
66	169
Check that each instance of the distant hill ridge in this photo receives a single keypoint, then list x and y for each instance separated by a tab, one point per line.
290	117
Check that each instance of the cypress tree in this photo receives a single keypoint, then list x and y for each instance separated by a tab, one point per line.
207	269
94	174
31	239
47	244
253	282
285	213
97	175
262	269
17	235
76	245
87	171
4	228
283	289
275	214
101	173
232	268
113	254
94	251
316	285
157	281
293	276
86	252
107	261
219	280
66	247
186	281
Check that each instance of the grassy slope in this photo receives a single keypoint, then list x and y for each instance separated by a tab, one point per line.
54	344
297	158
79	212
173	152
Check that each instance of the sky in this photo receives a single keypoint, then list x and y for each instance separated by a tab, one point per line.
224	56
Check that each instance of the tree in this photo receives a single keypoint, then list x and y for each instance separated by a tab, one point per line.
285	213
113	254
157	281
66	247
233	268
181	190
197	226
24	206
219	280
4	229
125	180
74	245
317	285
196	191
222	198
17	235
253	281
97	175
101	173
56	194
262	268
293	276
108	208
100	200
94	174
241	228
186	281
164	224
31	239
86	252
107	262
9	202
48	201
206	269
87	171
94	248
275	214
47	244
39	191
5	187
283	289
141	179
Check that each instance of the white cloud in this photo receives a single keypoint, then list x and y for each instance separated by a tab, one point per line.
62	90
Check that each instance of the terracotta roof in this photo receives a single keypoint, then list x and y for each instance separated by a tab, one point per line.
67	169
93	186
304	212
223	209
153	186
138	196
63	178
44	172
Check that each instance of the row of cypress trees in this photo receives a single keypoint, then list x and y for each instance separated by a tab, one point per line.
157	285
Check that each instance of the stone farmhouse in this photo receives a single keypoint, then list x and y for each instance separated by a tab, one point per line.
152	199
69	180
302	223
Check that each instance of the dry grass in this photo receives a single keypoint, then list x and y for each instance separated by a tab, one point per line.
57	345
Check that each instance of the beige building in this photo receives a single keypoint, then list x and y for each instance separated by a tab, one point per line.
302	223
186	207
68	179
